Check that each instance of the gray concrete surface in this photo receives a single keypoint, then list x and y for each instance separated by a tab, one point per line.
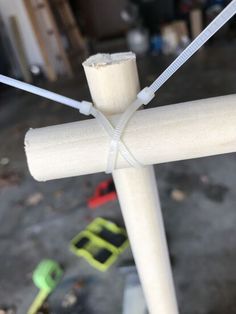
201	228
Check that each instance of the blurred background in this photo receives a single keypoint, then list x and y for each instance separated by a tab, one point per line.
44	42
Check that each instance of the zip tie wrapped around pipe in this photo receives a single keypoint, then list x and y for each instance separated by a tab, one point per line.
143	98
105	123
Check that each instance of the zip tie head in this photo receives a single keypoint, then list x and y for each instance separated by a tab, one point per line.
85	107
146	95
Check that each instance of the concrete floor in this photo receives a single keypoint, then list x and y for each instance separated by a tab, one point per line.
201	228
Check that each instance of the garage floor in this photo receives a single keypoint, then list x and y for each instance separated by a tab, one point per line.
39	219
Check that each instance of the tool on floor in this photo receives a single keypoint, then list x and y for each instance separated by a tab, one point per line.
105	192
46	277
100	243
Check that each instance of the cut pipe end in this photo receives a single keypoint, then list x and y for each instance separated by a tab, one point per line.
104	59
112	75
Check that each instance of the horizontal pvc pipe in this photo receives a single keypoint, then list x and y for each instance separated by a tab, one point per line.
175	132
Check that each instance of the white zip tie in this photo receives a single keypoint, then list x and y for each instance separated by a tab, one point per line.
84	107
142	97
105	123
43	93
196	44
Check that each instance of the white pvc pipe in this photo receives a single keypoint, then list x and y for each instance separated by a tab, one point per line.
188	130
113	82
140	205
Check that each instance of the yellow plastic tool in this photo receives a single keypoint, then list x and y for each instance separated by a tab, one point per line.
100	243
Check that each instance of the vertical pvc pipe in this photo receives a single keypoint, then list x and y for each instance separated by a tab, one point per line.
113	83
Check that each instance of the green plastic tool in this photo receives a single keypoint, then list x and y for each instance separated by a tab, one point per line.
46	277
